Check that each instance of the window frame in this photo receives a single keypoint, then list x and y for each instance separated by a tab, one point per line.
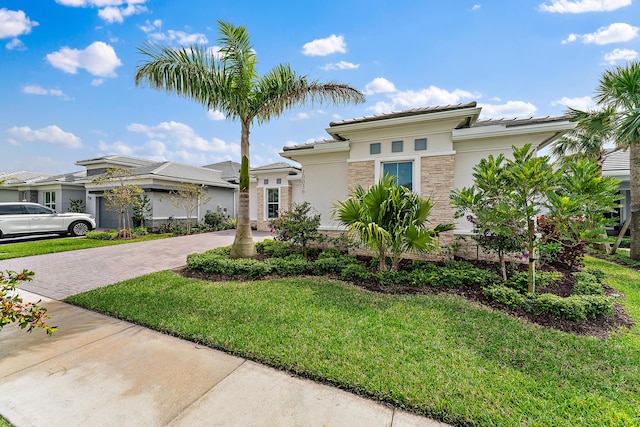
267	203
51	203
416	169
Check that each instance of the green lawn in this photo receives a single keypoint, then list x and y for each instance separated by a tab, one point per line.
18	250
4	423
436	355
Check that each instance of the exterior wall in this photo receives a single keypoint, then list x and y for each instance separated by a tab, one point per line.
437	179
362	173
66	194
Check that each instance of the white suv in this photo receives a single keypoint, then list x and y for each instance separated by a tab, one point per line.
23	218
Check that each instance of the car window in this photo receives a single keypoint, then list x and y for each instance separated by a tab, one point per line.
38	210
12	210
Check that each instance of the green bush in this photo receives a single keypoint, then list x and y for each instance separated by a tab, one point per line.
394	278
275	249
597	273
574	307
101	235
356	273
520	280
505	295
332	265
587	284
139	231
294	265
214	220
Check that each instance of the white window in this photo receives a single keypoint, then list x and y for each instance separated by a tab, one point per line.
401	171
50	199
273	202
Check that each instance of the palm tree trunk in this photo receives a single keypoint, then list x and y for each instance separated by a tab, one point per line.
243	246
634	181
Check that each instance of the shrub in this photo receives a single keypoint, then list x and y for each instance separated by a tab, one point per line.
393	278
293	265
299	226
587	284
274	248
597	273
356	273
12	308
332	265
139	231
101	235
520	279
214	220
505	295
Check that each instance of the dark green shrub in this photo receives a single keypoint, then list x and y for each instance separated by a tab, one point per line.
597	273
139	231
214	220
356	273
327	266
101	235
587	284
422	265
294	265
299	226
520	280
394	278
275	249
505	295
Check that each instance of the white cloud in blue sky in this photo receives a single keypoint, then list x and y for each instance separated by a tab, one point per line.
583	6
326	46
68	68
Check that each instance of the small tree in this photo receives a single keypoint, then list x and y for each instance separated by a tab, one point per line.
14	310
120	197
389	220
299	225
141	208
76	205
188	196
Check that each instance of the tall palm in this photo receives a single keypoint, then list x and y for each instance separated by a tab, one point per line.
620	89
588	139
228	81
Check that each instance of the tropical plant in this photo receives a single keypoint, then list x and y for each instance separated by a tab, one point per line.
188	196
228	81
619	89
390	220
76	205
299	225
141	208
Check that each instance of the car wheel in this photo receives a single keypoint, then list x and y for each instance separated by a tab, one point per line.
79	228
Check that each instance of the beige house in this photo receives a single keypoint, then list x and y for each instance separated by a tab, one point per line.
430	150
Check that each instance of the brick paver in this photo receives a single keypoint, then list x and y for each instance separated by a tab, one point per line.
66	273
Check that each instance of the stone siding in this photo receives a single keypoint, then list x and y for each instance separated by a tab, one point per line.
362	173
262	223
437	182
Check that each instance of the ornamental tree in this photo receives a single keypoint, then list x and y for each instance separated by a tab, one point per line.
14	310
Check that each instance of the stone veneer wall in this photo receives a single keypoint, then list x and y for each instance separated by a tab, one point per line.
436	183
285	205
362	173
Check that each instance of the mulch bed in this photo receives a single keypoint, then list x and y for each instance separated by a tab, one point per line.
600	327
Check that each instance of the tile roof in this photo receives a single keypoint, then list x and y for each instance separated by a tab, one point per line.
22	176
405	113
230	169
520	121
616	160
310	144
278	165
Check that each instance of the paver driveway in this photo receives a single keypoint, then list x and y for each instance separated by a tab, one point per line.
67	273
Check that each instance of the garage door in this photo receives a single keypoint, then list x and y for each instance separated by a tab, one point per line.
106	218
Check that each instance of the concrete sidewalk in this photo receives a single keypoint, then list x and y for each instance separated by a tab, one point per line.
100	371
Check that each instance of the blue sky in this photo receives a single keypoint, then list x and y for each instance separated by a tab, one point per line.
66	66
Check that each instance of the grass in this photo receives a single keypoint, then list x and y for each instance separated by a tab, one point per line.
4	423
436	355
18	250
620	257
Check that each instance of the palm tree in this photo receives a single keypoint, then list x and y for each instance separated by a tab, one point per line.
228	81
389	220
587	140
620	89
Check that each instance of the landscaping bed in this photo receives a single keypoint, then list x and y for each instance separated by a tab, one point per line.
568	300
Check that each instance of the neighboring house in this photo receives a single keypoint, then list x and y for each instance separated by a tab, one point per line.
616	164
54	192
430	150
230	171
10	193
273	190
157	179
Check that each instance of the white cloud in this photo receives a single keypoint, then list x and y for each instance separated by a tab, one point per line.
215	115
97	82
50	135
476	7
183	137
583	103
510	109
379	85
342	65
39	90
324	47
110	10
426	97
302	116
614	33
620	55
15	44
181	37
582	6
99	59
117	147
14	23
